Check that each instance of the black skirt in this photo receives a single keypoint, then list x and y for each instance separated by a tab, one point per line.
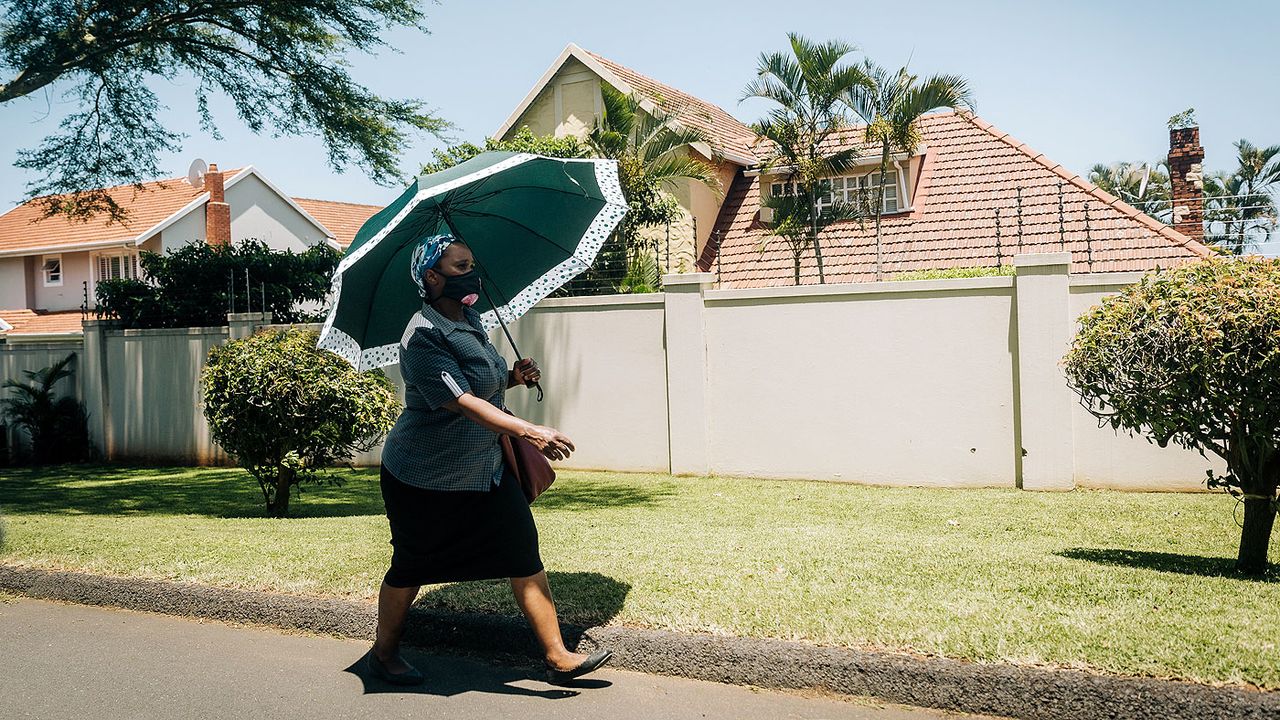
440	536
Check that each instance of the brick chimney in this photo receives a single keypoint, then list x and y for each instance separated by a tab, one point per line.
217	213
1186	178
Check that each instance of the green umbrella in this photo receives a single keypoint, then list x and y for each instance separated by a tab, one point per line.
533	223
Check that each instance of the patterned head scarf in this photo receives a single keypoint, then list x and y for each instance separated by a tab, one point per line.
425	257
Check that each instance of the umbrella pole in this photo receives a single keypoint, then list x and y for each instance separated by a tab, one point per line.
492	304
505	331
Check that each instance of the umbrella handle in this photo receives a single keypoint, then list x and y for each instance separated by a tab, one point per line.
507	332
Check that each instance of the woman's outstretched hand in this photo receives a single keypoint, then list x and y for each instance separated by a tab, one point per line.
525	372
552	443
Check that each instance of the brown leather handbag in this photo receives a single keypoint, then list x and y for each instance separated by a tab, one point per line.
532	469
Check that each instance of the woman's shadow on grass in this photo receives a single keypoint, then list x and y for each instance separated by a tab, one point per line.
1169	562
482	619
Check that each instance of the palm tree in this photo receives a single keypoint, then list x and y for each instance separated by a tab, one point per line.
1143	185
890	104
1241	204
798	221
57	425
652	153
807	86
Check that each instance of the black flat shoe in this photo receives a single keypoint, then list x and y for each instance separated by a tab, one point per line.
412	676
591	664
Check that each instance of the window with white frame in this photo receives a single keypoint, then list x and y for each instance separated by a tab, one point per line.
115	266
51	269
847	189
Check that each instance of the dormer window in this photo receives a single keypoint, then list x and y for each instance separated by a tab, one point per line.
847	188
51	268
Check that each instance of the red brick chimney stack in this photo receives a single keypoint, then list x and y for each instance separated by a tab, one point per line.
217	213
1186	176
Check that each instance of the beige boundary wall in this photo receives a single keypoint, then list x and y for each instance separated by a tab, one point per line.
949	383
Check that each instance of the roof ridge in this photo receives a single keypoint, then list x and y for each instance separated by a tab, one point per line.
338	202
126	186
655	81
1081	183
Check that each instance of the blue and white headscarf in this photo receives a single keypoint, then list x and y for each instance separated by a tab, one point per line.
425	257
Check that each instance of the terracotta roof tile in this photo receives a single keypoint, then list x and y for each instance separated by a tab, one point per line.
40	322
726	132
21	228
969	171
342	218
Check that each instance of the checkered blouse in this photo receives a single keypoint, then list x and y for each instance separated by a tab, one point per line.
432	447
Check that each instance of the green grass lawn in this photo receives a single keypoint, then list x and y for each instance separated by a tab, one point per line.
1129	583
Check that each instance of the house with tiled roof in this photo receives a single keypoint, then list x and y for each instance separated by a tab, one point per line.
969	195
50	266
566	100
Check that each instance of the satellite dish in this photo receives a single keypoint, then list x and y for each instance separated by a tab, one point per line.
1146	178
195	173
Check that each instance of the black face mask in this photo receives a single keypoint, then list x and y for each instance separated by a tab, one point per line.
462	287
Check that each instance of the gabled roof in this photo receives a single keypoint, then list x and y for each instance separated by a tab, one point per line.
22	231
342	219
157	205
731	138
969	172
32	324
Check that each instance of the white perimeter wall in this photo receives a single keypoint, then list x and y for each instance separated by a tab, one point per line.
944	383
909	386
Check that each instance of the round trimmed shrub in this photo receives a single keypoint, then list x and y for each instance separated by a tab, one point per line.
1191	356
286	410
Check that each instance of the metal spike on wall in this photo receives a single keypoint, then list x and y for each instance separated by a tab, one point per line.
997	236
1088	240
1019	218
1062	227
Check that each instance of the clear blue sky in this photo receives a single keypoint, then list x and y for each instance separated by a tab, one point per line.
1082	82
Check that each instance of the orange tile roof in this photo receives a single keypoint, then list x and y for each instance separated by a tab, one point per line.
727	133
970	170
22	229
40	322
342	218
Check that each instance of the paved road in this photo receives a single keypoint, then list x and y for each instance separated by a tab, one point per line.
69	661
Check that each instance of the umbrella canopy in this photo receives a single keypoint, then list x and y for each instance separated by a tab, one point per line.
532	222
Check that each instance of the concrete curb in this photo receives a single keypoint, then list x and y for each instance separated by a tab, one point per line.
1008	690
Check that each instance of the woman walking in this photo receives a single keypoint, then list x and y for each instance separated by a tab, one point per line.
456	512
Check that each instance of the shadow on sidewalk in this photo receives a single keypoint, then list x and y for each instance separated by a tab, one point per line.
448	676
582	598
482	618
1168	562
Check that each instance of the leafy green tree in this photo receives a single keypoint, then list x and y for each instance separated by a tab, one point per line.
652	150
1191	356
191	286
523	140
287	410
57	425
279	61
891	104
808	88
